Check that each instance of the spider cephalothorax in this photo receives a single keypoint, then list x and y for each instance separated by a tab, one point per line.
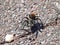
32	16
33	22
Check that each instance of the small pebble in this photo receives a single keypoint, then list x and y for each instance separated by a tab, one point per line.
49	34
57	5
42	42
9	38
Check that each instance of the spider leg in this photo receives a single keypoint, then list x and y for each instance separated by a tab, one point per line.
39	20
30	23
40	30
24	22
36	34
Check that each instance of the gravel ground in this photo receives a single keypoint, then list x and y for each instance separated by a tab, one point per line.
12	12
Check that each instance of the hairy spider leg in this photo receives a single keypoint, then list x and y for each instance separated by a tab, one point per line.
36	34
24	23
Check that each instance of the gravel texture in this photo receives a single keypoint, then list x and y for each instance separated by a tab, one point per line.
12	13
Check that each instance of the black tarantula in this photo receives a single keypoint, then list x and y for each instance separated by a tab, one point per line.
33	22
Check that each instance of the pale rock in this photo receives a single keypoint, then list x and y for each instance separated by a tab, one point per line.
42	42
59	16
22	1
57	5
49	34
9	38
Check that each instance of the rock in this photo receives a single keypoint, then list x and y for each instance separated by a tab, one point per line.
9	38
57	5
42	42
59	16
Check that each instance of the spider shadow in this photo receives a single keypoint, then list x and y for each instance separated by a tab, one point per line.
37	27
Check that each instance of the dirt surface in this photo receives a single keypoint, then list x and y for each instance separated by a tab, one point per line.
12	13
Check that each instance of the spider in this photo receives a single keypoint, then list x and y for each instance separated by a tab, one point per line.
33	22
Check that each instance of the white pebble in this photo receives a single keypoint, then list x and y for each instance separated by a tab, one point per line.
49	34
59	16
9	37
22	1
42	42
57	5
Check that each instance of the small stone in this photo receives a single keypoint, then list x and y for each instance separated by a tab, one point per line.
49	34
59	16
9	38
57	5
42	42
22	1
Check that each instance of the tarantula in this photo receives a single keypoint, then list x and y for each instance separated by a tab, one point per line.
33	22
